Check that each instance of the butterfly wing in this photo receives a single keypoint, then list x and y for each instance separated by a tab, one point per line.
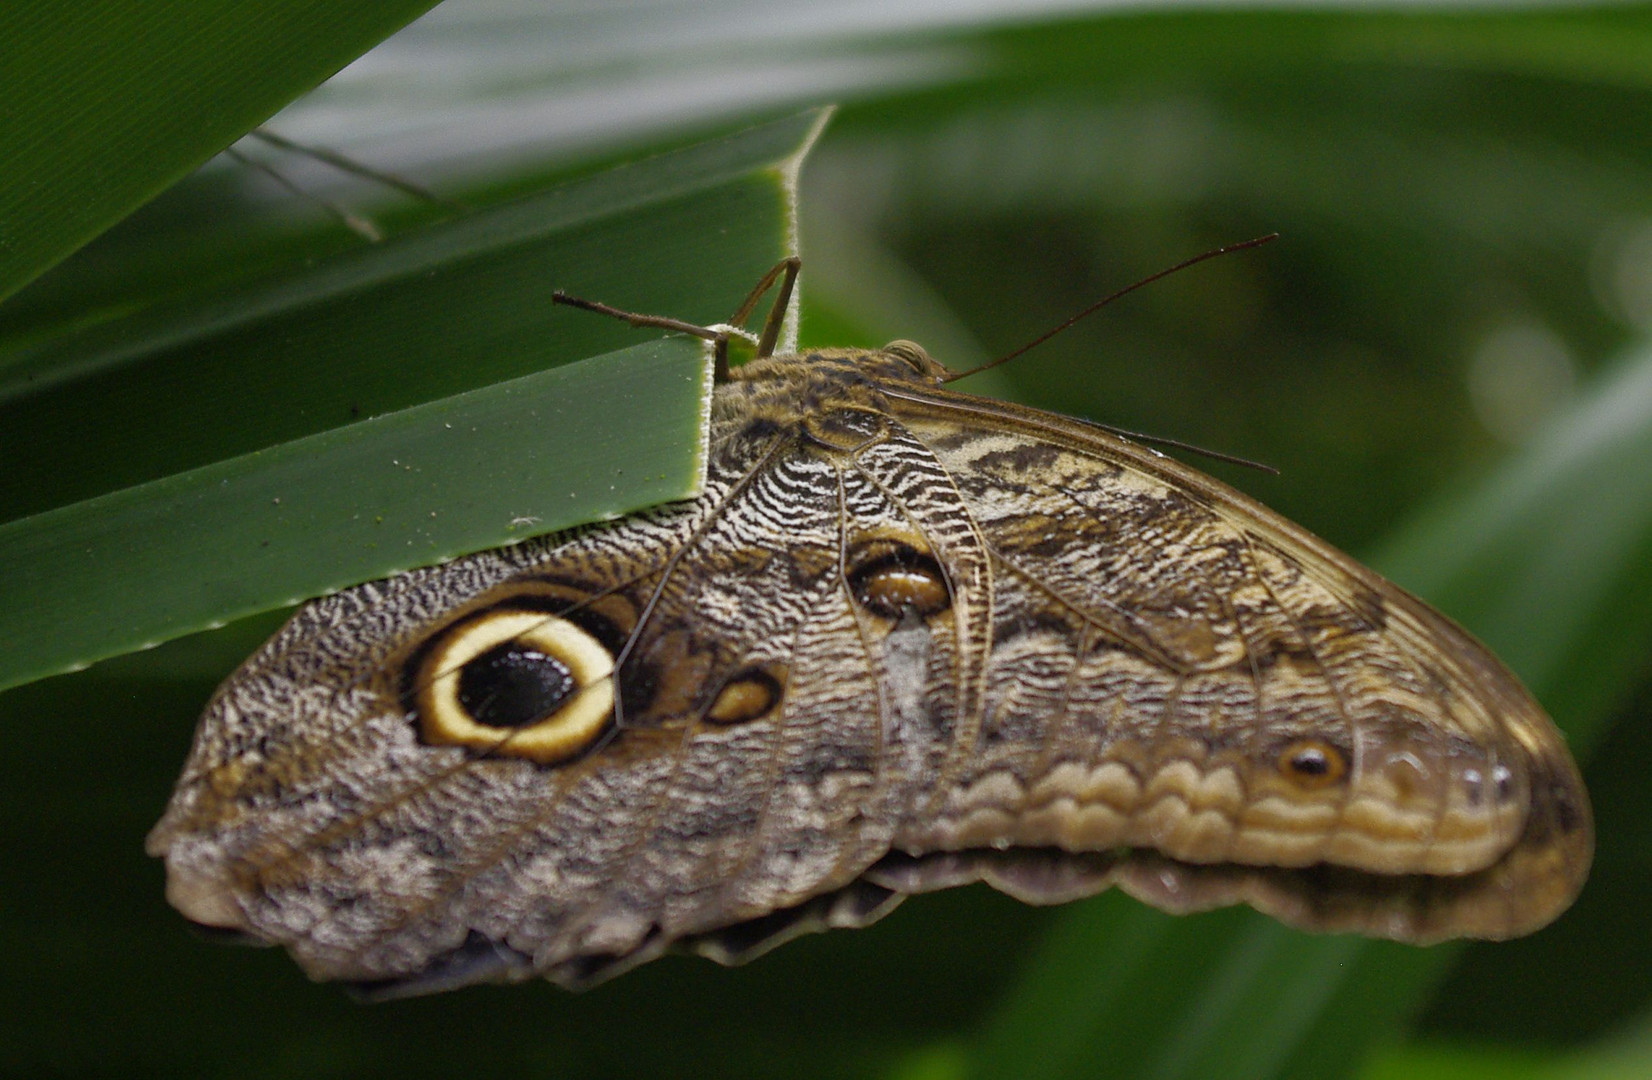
906	639
1220	707
696	726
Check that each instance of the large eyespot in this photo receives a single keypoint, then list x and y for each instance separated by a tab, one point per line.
1313	763
891	577
515	684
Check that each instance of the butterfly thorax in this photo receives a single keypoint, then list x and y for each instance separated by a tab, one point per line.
791	390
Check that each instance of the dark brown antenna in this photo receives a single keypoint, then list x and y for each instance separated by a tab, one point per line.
1104	301
1215	455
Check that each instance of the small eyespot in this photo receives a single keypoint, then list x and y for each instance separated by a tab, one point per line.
514	683
892	590
897	579
749	695
1313	763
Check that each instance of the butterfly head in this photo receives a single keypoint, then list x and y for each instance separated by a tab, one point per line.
916	361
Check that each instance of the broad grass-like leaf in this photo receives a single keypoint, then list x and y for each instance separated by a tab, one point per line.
478	470
1626	1055
456	305
434	312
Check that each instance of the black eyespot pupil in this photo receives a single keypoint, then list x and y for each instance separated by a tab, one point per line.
512	685
1311	762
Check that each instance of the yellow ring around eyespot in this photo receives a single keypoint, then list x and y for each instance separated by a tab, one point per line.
444	721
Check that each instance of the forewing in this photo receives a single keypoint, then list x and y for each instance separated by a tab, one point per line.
321	809
765	733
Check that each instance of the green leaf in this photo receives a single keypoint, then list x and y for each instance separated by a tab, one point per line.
1550	561
478	470
1436	176
442	309
455	305
108	101
1625	1055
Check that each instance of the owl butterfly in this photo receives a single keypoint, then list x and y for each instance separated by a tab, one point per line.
906	639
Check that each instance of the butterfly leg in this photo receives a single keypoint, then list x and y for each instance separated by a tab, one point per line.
786	271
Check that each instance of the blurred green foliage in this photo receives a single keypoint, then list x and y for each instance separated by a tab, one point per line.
1458	304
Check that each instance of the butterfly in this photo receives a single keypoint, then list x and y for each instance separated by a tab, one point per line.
905	639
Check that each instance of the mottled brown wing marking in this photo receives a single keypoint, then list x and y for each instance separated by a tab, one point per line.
858	904
1492	718
1179	722
732	599
302	856
1035	664
1078	521
911	479
910	656
742	556
497	831
625	921
825	815
798	825
1302	643
823	811
304	762
527	892
480	806
1412	725
316	849
298	854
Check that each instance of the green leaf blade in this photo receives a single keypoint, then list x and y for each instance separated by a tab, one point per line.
480	470
109	102
417	318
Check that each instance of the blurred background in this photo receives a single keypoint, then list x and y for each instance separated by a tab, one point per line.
1444	354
